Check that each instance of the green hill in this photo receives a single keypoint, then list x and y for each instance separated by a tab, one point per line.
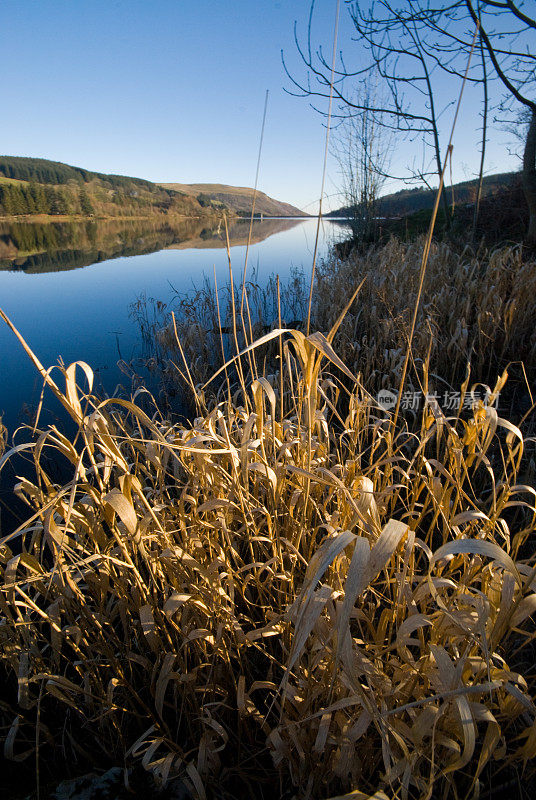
37	187
41	170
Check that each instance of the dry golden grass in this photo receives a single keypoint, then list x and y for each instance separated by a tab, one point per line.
3	437
203	320
477	308
288	596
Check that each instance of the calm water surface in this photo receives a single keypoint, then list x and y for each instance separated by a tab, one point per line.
68	288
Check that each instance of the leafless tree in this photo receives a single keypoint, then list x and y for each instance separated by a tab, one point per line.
485	112
506	43
392	47
409	43
362	149
508	36
449	50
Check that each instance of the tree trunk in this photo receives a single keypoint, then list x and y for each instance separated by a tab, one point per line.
529	178
484	138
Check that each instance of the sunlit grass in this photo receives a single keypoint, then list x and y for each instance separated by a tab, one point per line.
11	181
288	596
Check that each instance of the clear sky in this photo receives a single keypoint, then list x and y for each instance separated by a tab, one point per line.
173	90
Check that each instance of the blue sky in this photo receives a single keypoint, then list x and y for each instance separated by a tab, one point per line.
173	90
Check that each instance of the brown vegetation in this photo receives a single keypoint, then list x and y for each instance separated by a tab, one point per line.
476	318
238	199
290	594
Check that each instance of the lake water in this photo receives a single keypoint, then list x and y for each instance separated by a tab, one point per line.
68	287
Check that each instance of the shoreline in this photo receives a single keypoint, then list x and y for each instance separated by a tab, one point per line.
45	218
48	218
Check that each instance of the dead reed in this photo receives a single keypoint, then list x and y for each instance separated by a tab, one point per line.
476	312
476	309
288	595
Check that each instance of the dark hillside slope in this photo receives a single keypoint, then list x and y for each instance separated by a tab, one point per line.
38	187
41	170
408	201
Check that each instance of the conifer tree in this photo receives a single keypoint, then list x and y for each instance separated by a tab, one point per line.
62	204
29	202
86	206
18	199
50	196
6	199
39	198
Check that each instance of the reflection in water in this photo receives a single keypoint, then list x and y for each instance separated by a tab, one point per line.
238	233
84	314
58	246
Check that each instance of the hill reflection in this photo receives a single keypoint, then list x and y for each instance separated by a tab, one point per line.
58	246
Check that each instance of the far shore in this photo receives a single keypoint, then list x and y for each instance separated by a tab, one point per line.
100	217
45	218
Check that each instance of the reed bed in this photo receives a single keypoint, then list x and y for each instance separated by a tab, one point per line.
210	322
477	309
289	596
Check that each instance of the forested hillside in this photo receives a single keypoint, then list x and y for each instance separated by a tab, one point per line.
44	171
36	186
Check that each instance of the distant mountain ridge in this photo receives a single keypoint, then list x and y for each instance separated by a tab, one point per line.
409	201
237	198
37	187
40	187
